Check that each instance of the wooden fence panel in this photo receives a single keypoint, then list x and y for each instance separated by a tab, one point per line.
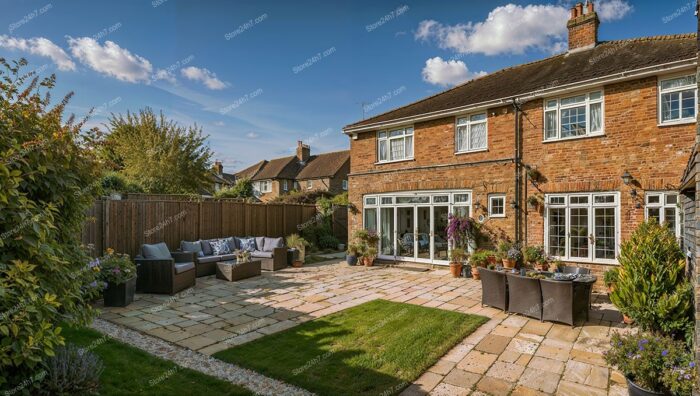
275	220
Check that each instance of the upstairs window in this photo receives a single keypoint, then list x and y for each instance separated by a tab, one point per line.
265	186
497	206
345	185
285	187
395	145
573	116
677	99
471	133
309	185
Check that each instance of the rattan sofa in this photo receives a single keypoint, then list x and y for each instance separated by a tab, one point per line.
161	271
273	255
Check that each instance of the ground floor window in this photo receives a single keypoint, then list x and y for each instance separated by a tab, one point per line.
663	206
582	226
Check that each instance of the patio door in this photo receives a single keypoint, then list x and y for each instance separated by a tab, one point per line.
423	234
405	232
439	234
387	232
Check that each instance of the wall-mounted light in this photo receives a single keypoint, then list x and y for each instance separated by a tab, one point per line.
477	205
513	204
627	178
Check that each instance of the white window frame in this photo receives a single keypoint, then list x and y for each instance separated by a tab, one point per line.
663	206
493	198
345	185
559	107
591	205
265	186
466	122
661	92
309	184
285	186
384	137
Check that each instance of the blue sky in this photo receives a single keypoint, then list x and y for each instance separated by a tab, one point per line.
260	75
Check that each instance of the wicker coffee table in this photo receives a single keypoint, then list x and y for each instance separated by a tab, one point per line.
231	270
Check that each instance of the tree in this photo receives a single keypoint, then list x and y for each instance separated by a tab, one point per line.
159	155
242	189
47	183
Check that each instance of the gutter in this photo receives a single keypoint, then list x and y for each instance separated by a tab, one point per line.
540	93
430	167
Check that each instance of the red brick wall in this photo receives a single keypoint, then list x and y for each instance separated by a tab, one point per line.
654	155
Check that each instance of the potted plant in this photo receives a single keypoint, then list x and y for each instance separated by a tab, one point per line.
351	256
533	254
610	279
533	201
513	256
118	272
556	266
478	260
294	241
502	251
369	255
242	256
652	364
542	264
457	258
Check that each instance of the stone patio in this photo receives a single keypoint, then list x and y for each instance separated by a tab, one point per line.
508	354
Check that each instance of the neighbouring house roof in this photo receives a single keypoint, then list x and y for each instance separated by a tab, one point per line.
251	171
605	59
324	165
279	168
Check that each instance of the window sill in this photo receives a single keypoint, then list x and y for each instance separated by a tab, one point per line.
497	216
596	135
481	150
394	161
677	122
586	261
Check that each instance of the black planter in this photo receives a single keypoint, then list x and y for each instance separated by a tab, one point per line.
352	260
467	271
635	390
119	295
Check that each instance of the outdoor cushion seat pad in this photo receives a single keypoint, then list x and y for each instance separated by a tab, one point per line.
208	259
260	254
195	247
225	257
182	267
158	251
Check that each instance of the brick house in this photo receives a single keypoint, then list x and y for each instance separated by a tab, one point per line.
303	171
571	152
221	179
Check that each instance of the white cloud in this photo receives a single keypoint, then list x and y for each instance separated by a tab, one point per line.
219	123
252	135
165	75
207	78
111	59
39	46
510	29
447	73
612	10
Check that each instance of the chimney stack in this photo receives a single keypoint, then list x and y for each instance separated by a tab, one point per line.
303	152
583	27
218	167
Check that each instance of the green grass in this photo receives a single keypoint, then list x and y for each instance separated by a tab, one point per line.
130	371
378	347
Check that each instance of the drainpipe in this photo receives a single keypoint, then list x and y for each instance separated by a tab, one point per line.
518	162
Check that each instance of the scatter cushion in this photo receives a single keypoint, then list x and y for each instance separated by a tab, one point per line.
259	254
259	242
195	247
182	267
159	251
248	244
271	243
220	247
206	247
233	244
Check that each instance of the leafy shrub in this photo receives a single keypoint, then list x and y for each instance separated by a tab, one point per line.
480	258
116	182
327	242
242	189
610	276
71	371
534	254
48	176
115	268
651	286
656	363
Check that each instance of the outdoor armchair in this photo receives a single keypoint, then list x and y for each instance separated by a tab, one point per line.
524	296
162	271
494	290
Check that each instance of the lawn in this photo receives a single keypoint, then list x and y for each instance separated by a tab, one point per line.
378	347
130	371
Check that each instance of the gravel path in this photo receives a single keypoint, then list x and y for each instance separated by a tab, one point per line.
257	383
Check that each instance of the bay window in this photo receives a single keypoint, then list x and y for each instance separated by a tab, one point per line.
573	116
471	133
663	206
395	145
582	227
677	99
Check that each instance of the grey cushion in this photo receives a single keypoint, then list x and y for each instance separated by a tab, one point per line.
182	267
206	247
247	244
159	251
208	259
259	254
195	247
271	243
234	243
225	257
259	242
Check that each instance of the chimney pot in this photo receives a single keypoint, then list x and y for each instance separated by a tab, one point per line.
579	9
589	6
573	13
218	167
583	28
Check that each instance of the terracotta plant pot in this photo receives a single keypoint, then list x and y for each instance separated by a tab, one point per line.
368	261
475	273
541	267
492	260
297	263
611	288
509	264
456	269
627	319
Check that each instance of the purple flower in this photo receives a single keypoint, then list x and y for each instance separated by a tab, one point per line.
664	352
93	284
691	364
687	376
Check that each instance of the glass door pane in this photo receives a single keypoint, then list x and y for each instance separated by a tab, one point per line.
579	233
371	219
605	233
423	234
405	245
387	232
440	232
557	231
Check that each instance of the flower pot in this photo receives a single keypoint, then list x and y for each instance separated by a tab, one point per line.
352	260
119	295
509	264
475	273
611	288
456	269
541	267
636	390
492	260
368	261
467	271
297	263
627	319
